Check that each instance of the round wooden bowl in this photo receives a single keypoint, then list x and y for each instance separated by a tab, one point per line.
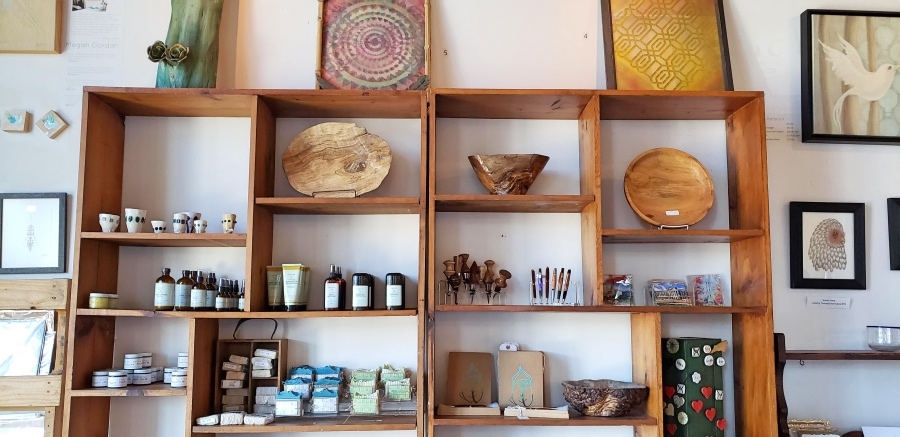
508	173
668	187
604	397
332	157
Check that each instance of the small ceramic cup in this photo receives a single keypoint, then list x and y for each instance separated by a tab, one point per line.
179	222
228	222
134	219
159	226
109	222
200	226
191	216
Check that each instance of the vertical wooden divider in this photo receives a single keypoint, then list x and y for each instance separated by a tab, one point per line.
259	219
646	367
424	278
751	279
203	334
591	244
430	277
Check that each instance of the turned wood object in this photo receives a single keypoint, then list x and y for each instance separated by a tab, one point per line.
509	173
668	187
336	160
603	397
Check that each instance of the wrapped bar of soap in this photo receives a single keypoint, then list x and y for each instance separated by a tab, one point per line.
239	376
237	392
266	353
230	383
232	400
302	386
367	404
324	401
289	403
261	363
237	359
229	366
266	391
307	372
264	409
258	419
390	373
265	399
261	373
210	420
328	372
232	408
226	419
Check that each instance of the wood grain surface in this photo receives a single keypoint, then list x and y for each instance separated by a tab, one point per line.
668	187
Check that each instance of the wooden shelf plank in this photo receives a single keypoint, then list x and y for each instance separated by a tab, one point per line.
356	205
242	314
678	235
556	203
318	424
147	239
672	105
36	294
514	104
597	309
343	103
836	355
514	421
30	391
153	390
176	102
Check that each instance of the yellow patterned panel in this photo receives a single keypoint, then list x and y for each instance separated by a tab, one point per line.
666	45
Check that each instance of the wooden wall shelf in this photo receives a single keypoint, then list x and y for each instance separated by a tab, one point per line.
318	424
241	314
515	421
597	309
358	205
158	389
511	203
836	355
679	236
148	239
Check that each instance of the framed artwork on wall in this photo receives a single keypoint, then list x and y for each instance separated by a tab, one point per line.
373	44
32	232
893	210
828	245
850	92
32	26
662	45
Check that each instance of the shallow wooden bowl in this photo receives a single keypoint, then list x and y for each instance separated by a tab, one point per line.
604	397
668	187
509	173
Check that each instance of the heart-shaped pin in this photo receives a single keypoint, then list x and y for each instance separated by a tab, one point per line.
706	391
721	424
679	401
668	391
671	428
669	410
697	406
711	414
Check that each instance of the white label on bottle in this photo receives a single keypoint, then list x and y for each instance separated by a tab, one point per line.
394	296
220	303
360	296
332	295
198	298
182	295
164	295
210	299
241	304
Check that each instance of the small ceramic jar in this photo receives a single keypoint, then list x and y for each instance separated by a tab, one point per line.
134	219
159	226
157	374
228	222
179	222
142	377
133	361
200	226
146	359
167	374
182	359
179	378
99	378
109	222
116	379
129	375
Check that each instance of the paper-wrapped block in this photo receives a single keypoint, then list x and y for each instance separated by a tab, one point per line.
325	401
232	400
265	399
258	419
229	366
237	359
237	392
362	387
261	373
364	375
210	420
302	386
390	373
239	376
231	418
233	408
264	409
307	372
230	383
328	372
270	391
261	363
265	353
398	390
368	404
288	403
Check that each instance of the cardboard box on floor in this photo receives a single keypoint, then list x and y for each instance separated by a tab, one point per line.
469	378
521	379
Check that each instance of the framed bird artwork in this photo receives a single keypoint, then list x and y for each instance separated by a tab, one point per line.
828	245
850	90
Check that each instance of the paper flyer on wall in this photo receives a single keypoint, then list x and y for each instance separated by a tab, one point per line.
94	49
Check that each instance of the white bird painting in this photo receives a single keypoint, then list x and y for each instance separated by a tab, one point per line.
848	66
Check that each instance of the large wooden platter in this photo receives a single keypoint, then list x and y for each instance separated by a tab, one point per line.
333	159
668	187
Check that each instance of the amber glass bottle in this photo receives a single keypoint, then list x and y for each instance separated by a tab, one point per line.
183	291
335	290
198	293
164	292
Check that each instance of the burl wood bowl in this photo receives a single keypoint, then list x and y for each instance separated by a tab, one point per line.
604	397
509	173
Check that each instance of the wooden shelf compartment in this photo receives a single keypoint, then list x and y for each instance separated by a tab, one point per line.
840	355
673	105
147	239
343	103
627	236
634	309
318	424
557	203
242	314
158	389
515	421
176	102
517	104
357	205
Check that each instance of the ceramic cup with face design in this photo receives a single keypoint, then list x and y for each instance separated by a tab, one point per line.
228	222
159	226
191	216
200	226
109	222
179	222
134	219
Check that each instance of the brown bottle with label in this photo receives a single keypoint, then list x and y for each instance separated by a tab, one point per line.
335	290
164	292
183	291
198	293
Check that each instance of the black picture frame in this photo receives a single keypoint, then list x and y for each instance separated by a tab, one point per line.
610	56
806	87
893	211
858	251
63	238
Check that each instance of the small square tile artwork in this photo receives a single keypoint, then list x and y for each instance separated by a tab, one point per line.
16	120
52	124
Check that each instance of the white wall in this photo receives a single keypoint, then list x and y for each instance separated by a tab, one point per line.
506	44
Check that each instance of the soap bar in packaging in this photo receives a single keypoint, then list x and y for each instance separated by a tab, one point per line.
261	363
258	419
231	418
266	353
208	420
237	359
230	383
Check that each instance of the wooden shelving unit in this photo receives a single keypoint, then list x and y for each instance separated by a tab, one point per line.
319	424
742	114
86	411
835	355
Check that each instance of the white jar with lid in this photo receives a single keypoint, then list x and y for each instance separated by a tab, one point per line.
157	373
142	377
179	378
167	374
146	359
133	361
129	375
116	379
99	378
182	359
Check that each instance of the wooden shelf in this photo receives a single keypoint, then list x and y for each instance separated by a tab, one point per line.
318	424
147	239
242	314
673	105
511	203
343	103
596	309
835	355
678	235
356	205
153	390
515	421
176	102
517	104
22	391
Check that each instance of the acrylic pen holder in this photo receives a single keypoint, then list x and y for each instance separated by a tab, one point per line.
555	298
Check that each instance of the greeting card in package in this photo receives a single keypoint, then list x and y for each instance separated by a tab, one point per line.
707	290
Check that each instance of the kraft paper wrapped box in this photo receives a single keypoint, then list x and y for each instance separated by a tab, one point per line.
469	378
521	379
693	388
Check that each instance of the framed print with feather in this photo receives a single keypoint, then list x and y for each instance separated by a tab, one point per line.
828	245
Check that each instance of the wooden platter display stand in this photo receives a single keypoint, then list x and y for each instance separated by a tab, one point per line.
668	188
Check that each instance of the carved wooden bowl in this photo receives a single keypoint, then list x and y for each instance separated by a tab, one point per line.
604	397
509	173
